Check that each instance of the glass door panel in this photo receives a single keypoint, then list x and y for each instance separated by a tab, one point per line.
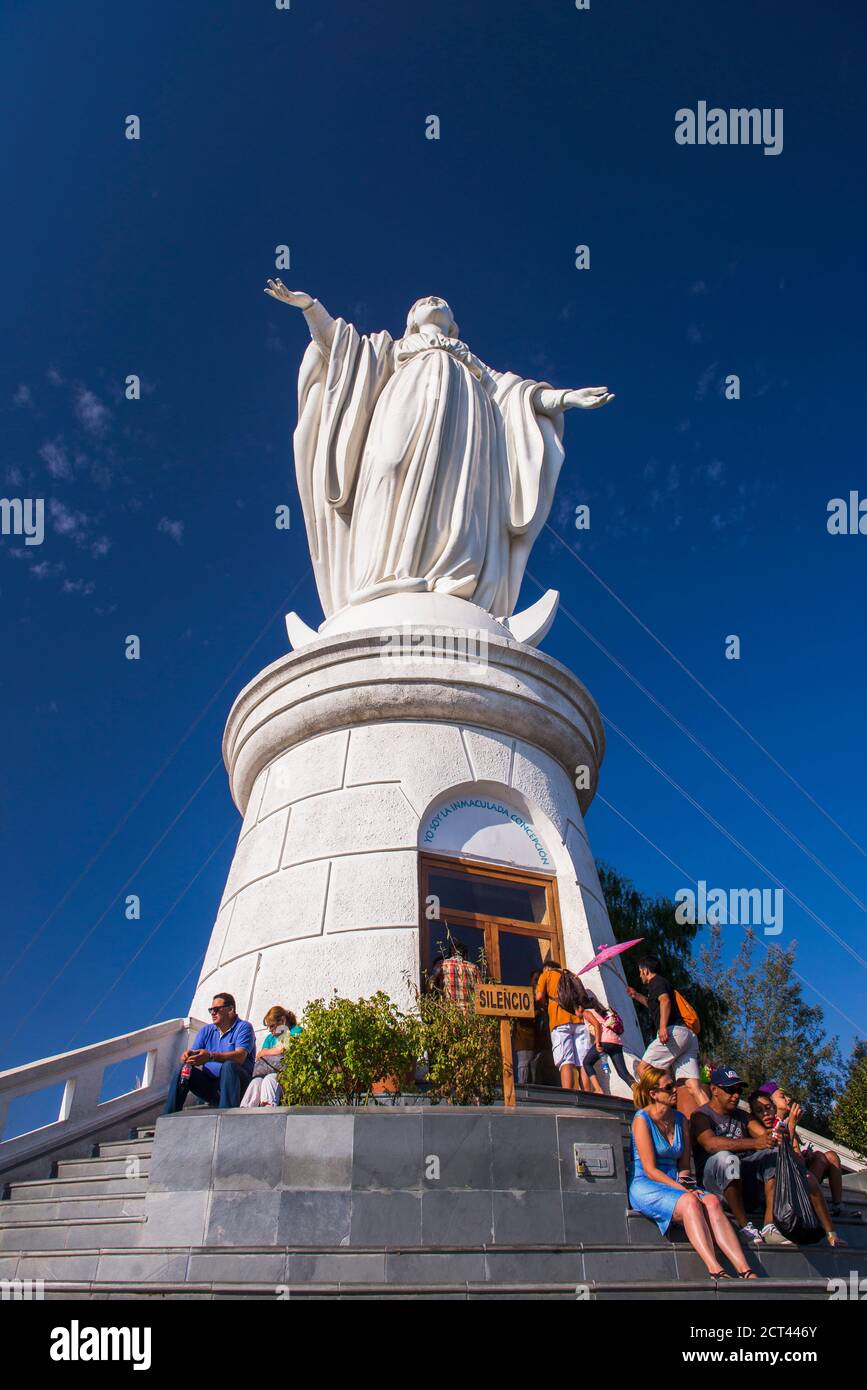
488	897
442	937
520	955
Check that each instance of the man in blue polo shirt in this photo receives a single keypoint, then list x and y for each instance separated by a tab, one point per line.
218	1066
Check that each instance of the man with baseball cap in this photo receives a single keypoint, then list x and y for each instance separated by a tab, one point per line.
730	1162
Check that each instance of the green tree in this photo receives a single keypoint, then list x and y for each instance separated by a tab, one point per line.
769	1031
849	1121
635	914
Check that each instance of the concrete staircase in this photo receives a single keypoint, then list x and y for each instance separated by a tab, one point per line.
81	1232
88	1203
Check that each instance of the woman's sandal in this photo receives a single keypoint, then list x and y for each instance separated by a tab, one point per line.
747	1274
717	1274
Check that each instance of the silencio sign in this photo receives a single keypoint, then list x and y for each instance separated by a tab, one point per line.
505	1002
509	1001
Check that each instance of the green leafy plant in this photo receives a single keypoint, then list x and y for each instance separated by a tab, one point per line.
849	1121
462	1049
345	1048
349	1046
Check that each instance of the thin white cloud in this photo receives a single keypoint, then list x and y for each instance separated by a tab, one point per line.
93	413
705	381
77	527
23	396
54	455
47	569
67	521
175	529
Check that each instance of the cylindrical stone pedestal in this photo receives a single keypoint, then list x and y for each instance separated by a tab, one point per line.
344	758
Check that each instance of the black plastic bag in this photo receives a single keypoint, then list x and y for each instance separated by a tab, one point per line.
793	1211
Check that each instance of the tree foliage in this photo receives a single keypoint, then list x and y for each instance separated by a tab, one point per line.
635	914
849	1121
769	1031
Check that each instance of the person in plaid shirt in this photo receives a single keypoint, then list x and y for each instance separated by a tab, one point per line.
457	978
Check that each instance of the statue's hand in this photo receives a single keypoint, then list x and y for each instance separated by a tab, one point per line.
588	398
299	299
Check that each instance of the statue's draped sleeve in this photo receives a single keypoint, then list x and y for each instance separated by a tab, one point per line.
534	453
337	393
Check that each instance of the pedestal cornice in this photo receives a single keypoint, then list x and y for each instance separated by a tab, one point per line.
359	678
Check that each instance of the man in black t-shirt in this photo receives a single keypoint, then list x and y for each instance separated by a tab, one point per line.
675	1047
731	1163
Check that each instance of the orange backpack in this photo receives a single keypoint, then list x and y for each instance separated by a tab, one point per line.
687	1012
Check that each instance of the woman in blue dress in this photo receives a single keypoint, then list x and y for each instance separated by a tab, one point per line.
660	1169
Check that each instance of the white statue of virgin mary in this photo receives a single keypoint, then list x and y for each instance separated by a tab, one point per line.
420	469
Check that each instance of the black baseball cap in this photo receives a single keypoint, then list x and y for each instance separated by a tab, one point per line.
726	1078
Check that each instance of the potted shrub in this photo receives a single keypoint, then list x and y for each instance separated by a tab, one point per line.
349	1050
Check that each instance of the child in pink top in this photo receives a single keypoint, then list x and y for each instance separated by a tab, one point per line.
607	1042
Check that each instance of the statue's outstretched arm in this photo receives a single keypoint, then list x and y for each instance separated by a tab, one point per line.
548	401
319	321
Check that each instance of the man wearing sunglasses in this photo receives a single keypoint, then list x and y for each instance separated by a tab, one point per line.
218	1066
730	1162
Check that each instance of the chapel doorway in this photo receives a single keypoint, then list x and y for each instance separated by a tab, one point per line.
507	920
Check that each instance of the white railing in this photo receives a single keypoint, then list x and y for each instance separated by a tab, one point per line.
81	1074
852	1162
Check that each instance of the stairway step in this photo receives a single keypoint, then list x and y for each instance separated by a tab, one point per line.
89	1256
814	1289
105	1166
48	1209
642	1229
119	1148
85	1233
108	1185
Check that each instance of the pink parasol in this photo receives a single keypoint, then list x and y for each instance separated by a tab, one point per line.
608	953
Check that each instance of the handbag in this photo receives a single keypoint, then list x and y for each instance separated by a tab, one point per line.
793	1211
265	1067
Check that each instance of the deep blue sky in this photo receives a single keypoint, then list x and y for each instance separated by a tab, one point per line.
261	127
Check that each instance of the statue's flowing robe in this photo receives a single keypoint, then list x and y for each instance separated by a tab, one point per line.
420	469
